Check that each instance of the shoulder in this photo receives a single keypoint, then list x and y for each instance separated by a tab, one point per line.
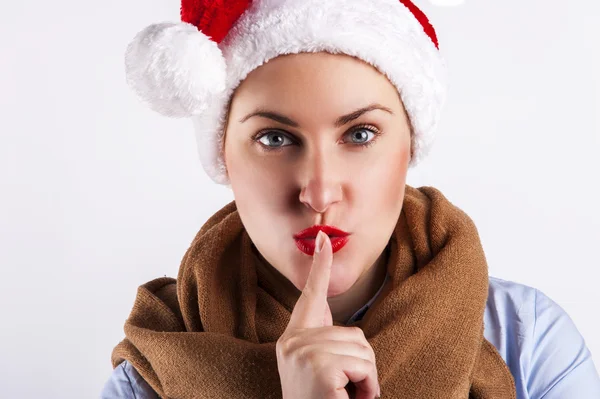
126	383
511	306
539	342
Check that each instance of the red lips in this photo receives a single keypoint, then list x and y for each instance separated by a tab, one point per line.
305	240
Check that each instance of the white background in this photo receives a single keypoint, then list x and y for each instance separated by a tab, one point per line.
99	194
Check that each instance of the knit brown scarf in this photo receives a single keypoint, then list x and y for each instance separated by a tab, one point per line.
212	332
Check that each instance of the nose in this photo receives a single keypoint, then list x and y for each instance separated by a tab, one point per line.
322	184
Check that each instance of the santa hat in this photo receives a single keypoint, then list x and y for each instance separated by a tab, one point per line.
191	68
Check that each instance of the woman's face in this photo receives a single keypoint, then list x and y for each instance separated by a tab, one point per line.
318	139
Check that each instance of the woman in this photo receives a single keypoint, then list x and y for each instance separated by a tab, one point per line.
328	276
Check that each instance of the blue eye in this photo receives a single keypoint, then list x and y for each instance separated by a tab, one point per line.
274	140
361	136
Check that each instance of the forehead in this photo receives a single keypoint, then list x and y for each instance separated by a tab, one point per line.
316	83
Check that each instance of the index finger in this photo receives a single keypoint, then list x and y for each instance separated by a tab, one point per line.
312	304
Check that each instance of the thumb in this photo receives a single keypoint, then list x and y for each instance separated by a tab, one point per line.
311	309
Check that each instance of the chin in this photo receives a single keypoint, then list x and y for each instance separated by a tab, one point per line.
343	277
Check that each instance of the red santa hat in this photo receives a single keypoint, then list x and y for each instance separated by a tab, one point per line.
191	68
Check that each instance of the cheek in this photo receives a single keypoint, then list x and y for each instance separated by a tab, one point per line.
256	181
382	182
259	191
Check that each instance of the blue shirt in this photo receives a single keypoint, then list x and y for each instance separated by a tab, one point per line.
539	342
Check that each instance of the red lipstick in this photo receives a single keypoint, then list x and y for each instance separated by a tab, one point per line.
305	240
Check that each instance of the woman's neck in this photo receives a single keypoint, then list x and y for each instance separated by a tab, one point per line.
345	305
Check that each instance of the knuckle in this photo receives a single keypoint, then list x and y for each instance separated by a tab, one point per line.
307	359
282	347
360	334
292	342
372	367
368	350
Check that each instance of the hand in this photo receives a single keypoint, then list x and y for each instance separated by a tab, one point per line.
316	359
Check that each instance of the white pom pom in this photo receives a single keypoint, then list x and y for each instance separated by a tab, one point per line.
175	69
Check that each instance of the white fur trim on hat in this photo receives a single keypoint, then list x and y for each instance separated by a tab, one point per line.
383	33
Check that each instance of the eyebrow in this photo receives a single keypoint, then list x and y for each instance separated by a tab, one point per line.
341	121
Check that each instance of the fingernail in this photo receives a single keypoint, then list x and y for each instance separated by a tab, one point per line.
378	390
319	241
